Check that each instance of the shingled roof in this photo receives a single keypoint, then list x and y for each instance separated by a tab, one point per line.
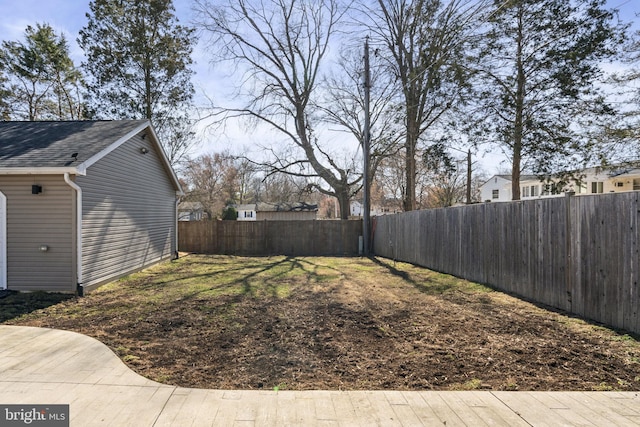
51	144
69	146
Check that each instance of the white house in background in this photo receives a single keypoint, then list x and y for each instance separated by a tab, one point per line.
594	181
356	208
246	212
496	189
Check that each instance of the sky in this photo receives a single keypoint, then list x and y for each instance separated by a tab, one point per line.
69	16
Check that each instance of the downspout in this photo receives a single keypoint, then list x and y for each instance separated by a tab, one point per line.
78	190
176	256
3	242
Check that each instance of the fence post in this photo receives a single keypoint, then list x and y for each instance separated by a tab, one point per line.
569	259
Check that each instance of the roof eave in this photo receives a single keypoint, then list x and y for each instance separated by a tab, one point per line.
47	170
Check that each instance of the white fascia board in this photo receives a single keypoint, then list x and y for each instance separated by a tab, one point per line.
79	170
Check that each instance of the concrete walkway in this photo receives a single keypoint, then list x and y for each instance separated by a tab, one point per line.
45	366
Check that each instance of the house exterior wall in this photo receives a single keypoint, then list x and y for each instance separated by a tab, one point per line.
246	212
602	182
35	220
593	182
496	184
129	215
357	209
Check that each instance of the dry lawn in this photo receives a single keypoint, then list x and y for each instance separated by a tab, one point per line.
337	323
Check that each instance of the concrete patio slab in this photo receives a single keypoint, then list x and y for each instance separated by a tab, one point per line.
47	366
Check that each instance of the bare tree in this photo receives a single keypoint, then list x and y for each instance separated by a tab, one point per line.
425	42
390	178
282	189
212	180
280	46
344	105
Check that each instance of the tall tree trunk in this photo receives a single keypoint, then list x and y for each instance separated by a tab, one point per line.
409	202
343	201
518	130
411	141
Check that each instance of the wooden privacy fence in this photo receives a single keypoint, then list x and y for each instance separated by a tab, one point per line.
576	253
260	238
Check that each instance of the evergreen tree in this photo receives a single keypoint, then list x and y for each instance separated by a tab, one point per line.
138	57
229	213
42	81
540	63
4	94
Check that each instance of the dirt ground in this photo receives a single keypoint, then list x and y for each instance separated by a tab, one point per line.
347	324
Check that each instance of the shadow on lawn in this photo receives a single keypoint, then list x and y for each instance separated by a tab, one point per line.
429	287
14	304
241	279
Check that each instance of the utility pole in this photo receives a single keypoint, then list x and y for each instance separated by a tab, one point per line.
469	176
365	152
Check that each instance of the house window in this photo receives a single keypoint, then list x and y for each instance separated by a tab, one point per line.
548	189
619	184
534	191
495	194
636	184
525	191
597	187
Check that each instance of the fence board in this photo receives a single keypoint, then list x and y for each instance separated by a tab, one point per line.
576	253
262	238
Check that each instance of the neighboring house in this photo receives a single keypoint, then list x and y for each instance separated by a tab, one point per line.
83	203
356	209
498	188
190	211
286	212
246	212
593	181
614	180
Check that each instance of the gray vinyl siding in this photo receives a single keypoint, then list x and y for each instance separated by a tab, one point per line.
34	220
128	213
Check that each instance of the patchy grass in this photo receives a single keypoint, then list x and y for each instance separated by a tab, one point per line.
301	323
